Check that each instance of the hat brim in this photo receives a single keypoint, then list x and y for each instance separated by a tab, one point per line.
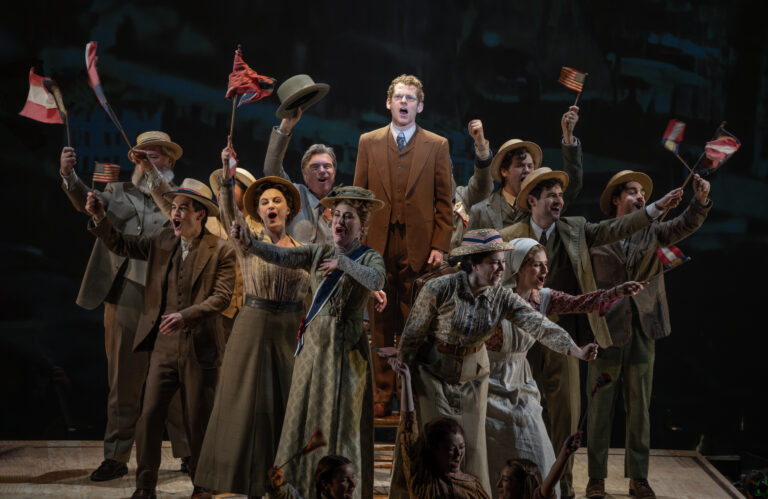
303	98
333	201
176	150
532	147
471	249
250	201
213	180
213	208
522	197
639	177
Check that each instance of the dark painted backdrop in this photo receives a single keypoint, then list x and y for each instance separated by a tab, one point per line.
165	67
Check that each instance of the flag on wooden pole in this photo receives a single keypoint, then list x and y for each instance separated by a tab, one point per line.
673	135
246	82
717	151
671	257
572	78
93	80
41	103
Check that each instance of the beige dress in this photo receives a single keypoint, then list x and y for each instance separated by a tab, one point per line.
247	418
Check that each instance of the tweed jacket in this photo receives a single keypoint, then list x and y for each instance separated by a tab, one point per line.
478	188
578	236
428	203
131	212
496	213
212	281
613	265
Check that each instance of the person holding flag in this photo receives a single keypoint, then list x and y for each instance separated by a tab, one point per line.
634	325
119	283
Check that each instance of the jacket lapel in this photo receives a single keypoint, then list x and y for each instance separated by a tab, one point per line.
422	147
379	158
202	255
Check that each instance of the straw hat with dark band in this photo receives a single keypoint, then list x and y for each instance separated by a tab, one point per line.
623	177
481	241
162	139
299	91
251	200
241	175
351	193
198	191
541	174
511	145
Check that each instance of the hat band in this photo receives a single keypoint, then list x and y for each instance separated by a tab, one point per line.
473	241
152	139
185	190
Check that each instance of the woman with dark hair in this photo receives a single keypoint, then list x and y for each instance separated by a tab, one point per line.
452	317
331	387
335	478
250	401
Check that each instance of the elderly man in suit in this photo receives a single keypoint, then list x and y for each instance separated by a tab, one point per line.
190	277
567	241
634	325
410	168
516	160
118	283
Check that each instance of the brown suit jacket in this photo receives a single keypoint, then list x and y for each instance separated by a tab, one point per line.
213	278
428	203
613	265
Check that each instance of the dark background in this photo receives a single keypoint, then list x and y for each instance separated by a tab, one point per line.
165	67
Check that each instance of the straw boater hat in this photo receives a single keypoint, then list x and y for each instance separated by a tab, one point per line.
543	173
511	145
198	191
251	202
241	175
623	177
481	241
343	193
156	138
299	91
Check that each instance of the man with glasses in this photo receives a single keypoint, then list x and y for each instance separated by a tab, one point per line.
410	169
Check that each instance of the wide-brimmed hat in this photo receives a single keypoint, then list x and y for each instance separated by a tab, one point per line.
481	241
299	91
241	175
351	192
198	191
623	177
543	173
511	145
156	138
251	201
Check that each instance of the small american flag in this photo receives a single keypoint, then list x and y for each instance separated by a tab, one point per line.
673	135
572	78
106	172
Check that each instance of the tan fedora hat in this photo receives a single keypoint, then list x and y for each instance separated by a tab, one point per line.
299	91
481	241
538	175
351	192
251	201
241	175
623	177
198	191
511	145
156	138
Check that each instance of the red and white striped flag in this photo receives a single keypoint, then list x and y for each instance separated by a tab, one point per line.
671	257
41	104
673	135
572	78
106	172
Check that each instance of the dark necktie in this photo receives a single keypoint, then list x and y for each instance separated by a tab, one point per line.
543	238
400	141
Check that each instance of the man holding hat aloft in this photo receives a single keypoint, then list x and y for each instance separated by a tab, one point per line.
410	168
634	324
119	283
516	160
567	241
190	276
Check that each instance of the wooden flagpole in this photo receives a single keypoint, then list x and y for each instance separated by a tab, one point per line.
234	104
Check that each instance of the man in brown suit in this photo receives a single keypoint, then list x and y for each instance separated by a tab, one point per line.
190	277
410	169
634	324
567	240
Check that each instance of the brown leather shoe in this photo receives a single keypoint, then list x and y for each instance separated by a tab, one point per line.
596	488
382	410
641	489
201	493
144	494
109	469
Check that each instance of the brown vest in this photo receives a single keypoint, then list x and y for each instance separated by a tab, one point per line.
178	290
399	169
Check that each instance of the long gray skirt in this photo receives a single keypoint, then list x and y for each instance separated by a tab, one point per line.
247	417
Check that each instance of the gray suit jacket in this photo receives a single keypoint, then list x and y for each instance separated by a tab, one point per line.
496	213
613	265
131	212
478	188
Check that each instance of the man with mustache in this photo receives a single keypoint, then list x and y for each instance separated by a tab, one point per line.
516	160
634	324
410	169
567	241
119	284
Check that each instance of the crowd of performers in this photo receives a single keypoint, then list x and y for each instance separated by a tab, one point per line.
205	287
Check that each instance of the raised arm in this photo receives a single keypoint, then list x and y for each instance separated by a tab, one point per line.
572	157
480	184
73	187
157	187
128	246
685	224
278	144
562	303
407	433
570	446
228	211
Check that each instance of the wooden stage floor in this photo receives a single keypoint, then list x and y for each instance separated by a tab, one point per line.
33	469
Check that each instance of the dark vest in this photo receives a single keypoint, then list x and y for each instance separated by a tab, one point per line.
399	170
